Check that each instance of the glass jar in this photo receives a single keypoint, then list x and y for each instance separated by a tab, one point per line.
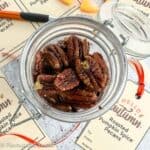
101	39
130	25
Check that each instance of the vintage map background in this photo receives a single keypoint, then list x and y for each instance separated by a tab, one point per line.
11	70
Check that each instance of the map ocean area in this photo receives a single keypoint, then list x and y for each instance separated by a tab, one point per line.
125	124
12	122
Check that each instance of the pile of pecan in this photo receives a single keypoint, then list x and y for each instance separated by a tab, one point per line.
68	76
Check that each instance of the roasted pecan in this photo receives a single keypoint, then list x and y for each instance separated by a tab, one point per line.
63	56
63	44
53	50
66	80
80	69
60	54
95	70
84	49
38	61
47	69
77	48
52	59
43	78
73	49
100	60
87	71
79	96
49	94
38	65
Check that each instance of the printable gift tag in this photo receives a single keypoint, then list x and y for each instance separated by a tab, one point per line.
17	130
123	127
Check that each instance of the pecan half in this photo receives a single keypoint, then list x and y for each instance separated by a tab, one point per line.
49	94
38	65
95	70
73	49
59	53
84	48
102	64
52	59
77	48
80	69
63	44
89	73
63	56
66	80
43	78
79	97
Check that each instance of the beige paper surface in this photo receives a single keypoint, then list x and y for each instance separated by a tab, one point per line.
122	127
9	103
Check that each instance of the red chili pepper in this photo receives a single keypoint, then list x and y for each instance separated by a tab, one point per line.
140	72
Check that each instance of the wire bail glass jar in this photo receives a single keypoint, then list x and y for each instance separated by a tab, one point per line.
101	39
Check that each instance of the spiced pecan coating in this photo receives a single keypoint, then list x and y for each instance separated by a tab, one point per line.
51	48
66	80
38	65
63	56
52	59
72	49
81	68
63	44
102	64
89	73
95	69
79	96
49	94
42	78
59	53
77	48
84	48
